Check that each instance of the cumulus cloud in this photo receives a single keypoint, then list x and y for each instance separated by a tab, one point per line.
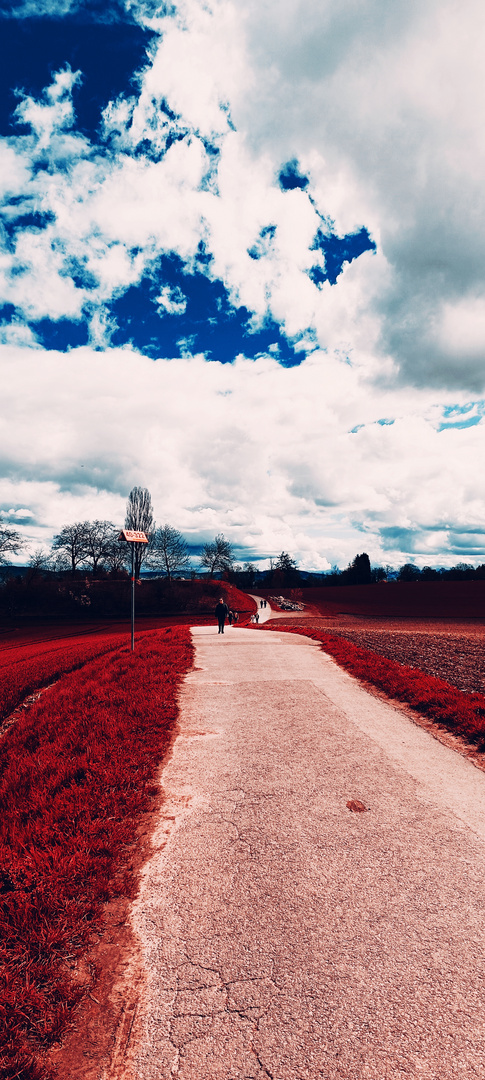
388	102
264	454
252	139
170	174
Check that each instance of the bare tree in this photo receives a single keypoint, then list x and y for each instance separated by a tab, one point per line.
39	564
217	555
169	551
98	540
11	542
70	544
117	554
139	516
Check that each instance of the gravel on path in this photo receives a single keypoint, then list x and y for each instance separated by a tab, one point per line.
282	934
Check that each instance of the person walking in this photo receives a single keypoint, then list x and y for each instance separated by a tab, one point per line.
221	614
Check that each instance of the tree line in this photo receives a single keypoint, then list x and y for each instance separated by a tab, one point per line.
95	546
360	572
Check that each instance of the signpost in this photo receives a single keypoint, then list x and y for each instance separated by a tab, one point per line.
133	536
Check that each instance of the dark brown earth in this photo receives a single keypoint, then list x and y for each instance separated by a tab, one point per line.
454	651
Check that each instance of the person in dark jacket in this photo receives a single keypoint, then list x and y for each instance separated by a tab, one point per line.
221	613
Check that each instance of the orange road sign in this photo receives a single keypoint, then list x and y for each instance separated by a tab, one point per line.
134	536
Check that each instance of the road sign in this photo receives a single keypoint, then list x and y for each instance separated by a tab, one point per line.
133	536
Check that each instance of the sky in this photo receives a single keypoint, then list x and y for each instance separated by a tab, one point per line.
243	265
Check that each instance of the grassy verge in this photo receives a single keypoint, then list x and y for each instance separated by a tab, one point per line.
461	713
24	670
76	773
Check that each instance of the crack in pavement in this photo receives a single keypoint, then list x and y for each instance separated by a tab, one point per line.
283	936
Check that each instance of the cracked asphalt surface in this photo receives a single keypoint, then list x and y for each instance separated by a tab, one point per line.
282	935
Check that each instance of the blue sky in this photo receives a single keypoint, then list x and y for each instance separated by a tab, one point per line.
242	265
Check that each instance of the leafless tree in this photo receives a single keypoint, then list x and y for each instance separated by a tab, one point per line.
39	563
139	516
98	540
11	542
169	551
217	555
70	546
117	555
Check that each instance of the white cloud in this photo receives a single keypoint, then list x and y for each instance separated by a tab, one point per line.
264	454
384	109
55	113
278	459
116	212
462	327
172	301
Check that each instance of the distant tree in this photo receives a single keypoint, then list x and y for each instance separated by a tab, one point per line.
11	543
249	572
39	565
378	573
99	537
139	516
461	572
243	576
217	555
70	546
169	551
39	560
409	572
360	569
428	573
117	555
285	570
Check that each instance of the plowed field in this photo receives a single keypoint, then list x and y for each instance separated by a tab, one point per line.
454	652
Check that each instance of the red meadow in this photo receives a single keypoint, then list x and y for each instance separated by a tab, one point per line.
77	770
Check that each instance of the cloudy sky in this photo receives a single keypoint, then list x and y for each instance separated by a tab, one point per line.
243	265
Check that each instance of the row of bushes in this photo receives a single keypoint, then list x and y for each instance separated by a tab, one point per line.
110	596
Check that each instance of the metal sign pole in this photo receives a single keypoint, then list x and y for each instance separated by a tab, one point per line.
133	536
132	597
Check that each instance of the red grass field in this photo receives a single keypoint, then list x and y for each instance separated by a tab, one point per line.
34	657
76	772
26	666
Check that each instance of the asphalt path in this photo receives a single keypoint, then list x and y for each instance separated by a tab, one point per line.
282	934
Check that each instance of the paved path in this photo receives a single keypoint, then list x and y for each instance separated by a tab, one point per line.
283	935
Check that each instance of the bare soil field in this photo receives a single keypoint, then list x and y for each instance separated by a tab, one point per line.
435	627
454	651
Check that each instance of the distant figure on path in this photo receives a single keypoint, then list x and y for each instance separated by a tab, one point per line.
222	611
230	617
